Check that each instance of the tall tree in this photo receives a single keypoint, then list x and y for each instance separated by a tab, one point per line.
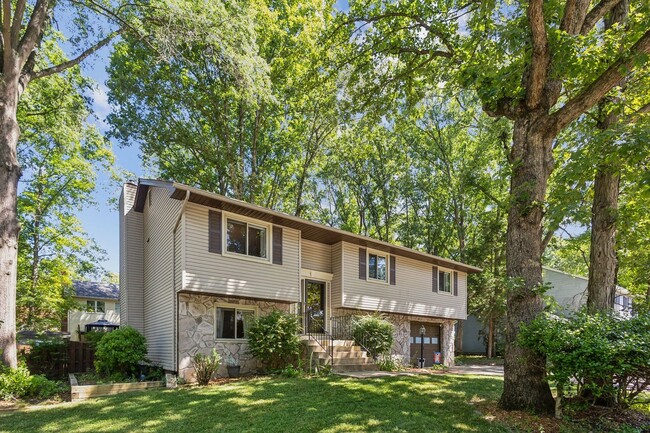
26	26
603	265
522	59
60	155
201	127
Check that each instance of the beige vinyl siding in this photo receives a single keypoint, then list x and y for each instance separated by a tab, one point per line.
316	256
226	274
412	293
131	261
160	215
337	271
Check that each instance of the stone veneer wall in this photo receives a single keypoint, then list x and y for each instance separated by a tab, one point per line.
196	332
402	334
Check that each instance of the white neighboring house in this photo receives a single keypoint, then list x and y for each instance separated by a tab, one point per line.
97	301
570	292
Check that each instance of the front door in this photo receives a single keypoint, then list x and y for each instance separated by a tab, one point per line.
314	306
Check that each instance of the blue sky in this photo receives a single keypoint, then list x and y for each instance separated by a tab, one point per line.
101	222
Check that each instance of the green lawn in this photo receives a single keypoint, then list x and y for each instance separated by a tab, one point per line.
440	403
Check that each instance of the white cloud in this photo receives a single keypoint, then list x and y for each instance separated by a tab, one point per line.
101	106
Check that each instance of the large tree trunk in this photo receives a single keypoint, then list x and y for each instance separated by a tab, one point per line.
602	258
9	228
524	384
603	268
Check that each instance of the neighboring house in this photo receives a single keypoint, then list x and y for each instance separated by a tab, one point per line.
569	291
97	301
196	267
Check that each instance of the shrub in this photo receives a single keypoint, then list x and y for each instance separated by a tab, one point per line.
205	366
607	357
19	383
273	339
47	356
121	351
94	337
374	333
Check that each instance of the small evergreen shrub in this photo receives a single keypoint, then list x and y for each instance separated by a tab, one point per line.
20	383
121	352
600	355
374	333
205	366
274	340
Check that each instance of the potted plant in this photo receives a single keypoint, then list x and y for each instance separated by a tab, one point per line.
233	366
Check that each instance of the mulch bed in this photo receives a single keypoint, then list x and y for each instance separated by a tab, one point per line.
595	419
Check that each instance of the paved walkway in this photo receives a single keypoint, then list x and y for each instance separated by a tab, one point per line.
479	370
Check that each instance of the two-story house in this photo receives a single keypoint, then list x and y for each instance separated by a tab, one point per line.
197	267
97	301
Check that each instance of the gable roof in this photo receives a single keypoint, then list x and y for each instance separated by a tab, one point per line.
92	289
619	289
309	230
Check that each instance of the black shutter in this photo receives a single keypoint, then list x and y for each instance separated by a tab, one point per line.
362	263
392	270
455	283
277	245
214	232
434	279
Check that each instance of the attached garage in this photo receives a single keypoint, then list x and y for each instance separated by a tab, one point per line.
432	342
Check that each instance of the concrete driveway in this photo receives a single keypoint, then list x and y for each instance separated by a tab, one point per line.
479	370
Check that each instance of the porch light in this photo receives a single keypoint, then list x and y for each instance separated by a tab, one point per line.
421	360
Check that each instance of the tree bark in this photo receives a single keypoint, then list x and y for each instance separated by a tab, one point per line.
9	227
490	339
603	266
524	384
602	258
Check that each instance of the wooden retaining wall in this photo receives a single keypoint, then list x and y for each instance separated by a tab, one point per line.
84	392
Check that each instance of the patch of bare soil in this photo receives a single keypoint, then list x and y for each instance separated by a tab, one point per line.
598	417
592	420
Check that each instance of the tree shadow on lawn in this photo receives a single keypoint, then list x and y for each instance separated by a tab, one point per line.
331	404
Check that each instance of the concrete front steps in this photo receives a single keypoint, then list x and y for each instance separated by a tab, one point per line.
347	355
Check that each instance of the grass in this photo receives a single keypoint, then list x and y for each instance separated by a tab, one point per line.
330	404
431	402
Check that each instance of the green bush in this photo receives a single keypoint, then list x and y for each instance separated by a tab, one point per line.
605	356
374	333
273	339
121	351
46	356
19	383
205	366
94	337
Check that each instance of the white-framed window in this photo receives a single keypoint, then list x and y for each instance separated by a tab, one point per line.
96	306
117	308
246	238
233	321
377	266
445	281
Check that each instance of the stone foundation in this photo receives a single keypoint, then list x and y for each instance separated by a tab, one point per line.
196	332
401	350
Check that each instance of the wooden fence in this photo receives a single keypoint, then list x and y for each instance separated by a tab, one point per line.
57	361
81	357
